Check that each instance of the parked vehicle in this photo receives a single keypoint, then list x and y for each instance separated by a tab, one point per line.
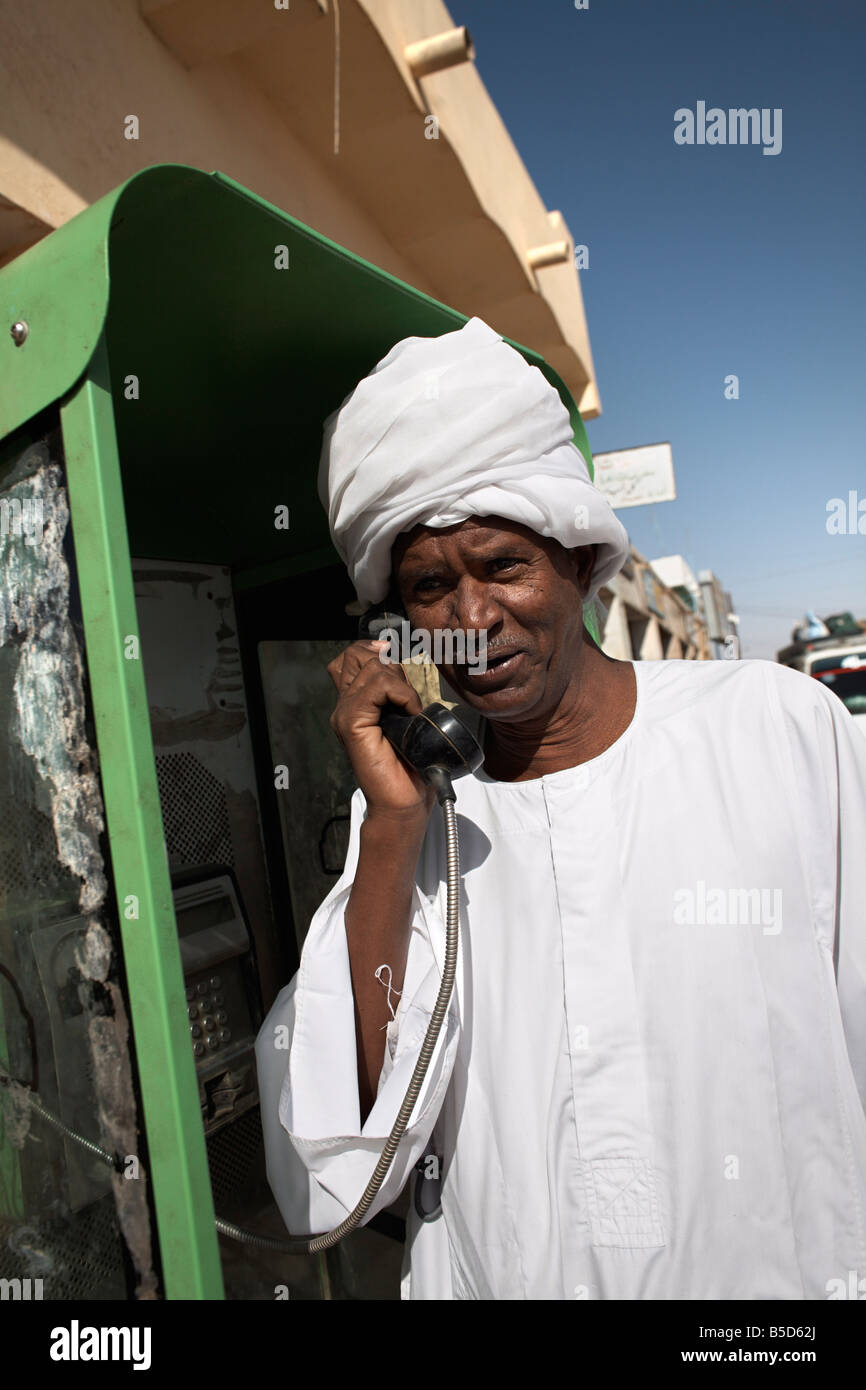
837	660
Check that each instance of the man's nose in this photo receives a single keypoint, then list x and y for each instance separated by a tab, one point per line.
474	607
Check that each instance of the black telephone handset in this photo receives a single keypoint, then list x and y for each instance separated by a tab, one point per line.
436	743
435	737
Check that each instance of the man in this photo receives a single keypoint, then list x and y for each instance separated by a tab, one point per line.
647	1081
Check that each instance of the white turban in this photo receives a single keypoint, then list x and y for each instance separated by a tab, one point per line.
450	427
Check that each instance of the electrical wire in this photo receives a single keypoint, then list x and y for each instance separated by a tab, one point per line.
54	1120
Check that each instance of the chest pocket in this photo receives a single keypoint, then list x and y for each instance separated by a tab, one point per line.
622	1202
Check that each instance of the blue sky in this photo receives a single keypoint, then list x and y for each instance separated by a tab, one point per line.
712	260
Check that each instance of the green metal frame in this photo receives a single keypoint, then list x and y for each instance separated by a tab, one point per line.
175	1137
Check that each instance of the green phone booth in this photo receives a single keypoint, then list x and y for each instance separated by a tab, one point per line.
172	804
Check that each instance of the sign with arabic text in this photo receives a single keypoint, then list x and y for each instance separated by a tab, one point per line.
634	477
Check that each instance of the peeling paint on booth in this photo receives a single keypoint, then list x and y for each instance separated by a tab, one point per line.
48	689
47	722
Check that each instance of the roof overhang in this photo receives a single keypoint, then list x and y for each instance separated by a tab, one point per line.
461	206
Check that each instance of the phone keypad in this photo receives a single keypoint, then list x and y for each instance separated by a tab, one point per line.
209	1019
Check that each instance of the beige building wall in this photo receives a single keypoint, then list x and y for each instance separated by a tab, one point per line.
325	111
632	631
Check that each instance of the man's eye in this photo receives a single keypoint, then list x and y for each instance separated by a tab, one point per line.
507	560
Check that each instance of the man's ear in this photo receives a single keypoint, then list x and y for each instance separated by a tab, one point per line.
390	608
584	563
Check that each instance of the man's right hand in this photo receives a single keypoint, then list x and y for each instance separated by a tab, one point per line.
379	910
364	683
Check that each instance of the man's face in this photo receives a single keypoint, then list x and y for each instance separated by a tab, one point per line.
500	579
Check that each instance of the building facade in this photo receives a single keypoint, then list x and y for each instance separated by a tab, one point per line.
648	620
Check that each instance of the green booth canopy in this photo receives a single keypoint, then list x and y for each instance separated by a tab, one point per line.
243	329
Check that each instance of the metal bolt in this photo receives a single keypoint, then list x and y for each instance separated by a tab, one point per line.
19	331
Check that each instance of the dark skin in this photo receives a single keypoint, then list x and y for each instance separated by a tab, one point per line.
566	701
559	703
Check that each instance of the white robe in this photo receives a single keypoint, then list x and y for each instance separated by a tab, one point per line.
647	1083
